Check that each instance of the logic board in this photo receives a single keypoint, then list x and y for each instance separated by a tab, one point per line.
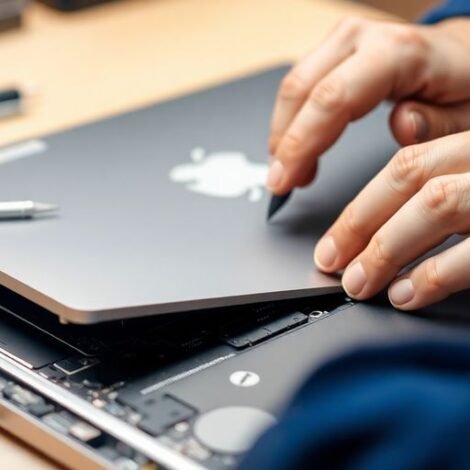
127	369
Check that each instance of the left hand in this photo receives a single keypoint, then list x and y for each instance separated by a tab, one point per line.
416	202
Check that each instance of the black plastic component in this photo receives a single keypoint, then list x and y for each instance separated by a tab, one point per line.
98	377
250	337
72	365
72	5
28	345
163	413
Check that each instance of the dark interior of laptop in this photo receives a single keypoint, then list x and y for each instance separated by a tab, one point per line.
150	372
109	364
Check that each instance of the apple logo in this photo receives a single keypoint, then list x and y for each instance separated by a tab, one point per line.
222	174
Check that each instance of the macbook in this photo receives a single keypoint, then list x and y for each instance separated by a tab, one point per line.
164	209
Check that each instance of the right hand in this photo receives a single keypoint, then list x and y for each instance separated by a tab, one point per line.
424	69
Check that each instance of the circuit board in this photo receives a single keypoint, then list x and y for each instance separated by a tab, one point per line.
127	369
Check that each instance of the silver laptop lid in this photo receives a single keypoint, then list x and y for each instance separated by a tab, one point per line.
164	209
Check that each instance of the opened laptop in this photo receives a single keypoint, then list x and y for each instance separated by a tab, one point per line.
152	219
164	209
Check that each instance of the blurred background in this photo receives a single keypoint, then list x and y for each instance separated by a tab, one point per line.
73	61
10	10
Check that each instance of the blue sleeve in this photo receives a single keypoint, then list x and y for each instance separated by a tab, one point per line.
450	9
403	406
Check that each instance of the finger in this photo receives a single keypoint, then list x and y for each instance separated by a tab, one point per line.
402	177
412	122
391	61
344	95
297	84
434	279
440	209
450	68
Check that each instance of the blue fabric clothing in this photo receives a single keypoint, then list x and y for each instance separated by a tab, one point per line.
398	407
450	9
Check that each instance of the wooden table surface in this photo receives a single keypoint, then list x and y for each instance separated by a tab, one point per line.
122	55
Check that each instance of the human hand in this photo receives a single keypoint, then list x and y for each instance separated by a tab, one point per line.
418	200
425	69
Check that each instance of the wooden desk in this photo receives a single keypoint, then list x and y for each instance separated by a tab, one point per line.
129	53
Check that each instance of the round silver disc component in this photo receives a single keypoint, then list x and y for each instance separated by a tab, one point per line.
244	378
233	429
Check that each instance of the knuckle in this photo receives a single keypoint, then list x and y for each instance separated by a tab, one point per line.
411	44
433	280
351	222
407	168
380	255
406	36
292	148
440	198
329	95
351	24
292	87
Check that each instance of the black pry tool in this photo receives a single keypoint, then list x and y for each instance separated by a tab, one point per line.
276	203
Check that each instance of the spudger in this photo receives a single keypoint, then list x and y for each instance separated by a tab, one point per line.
276	203
24	209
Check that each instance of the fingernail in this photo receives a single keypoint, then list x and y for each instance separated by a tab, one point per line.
354	279
420	124
326	252
401	292
275	175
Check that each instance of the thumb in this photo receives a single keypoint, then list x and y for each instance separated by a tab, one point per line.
413	122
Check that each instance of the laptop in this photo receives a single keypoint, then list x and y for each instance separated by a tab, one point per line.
189	389
164	209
